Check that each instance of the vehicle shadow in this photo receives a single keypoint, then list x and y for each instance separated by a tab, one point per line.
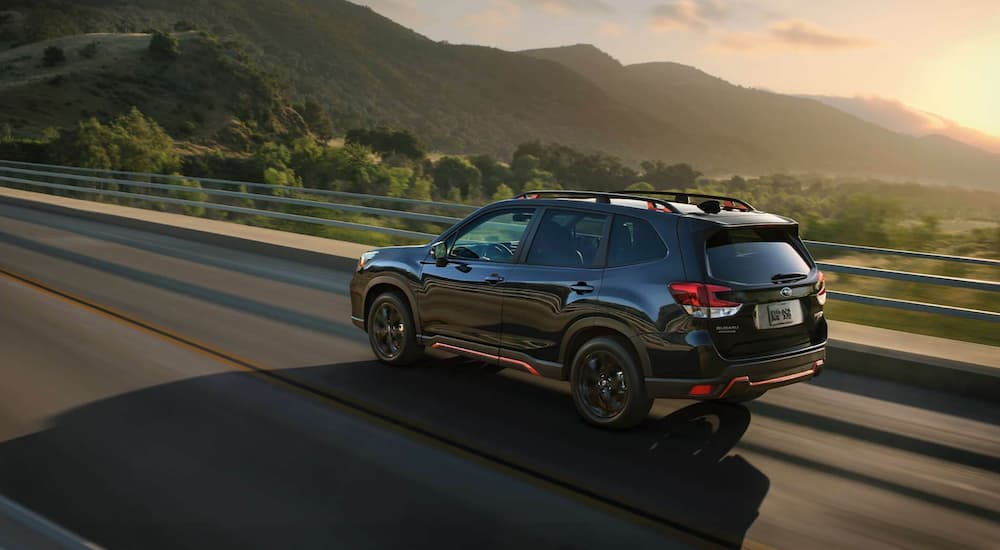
230	461
677	467
207	463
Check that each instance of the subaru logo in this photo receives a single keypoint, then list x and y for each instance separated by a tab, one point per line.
786	292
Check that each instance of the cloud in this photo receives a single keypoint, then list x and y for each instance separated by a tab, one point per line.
687	14
568	7
498	14
793	35
611	29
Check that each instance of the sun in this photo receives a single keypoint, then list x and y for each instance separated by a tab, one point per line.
963	83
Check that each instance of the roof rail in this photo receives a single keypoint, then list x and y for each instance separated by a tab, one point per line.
600	197
683	196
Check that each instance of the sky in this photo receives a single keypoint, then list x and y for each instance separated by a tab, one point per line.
938	56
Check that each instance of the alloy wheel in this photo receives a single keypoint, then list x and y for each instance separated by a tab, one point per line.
603	385
389	331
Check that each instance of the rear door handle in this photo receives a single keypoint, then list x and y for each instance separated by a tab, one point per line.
493	279
581	288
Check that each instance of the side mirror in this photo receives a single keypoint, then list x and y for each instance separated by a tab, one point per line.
440	253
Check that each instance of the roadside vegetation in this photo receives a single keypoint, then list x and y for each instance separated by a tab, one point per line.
393	163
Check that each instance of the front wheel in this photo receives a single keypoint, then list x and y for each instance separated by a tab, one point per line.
608	388
391	330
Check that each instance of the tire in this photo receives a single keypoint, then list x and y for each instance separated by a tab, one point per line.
392	332
608	388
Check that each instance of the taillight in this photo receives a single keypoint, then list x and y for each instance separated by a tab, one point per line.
821	295
700	300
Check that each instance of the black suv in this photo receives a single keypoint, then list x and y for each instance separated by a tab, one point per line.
628	296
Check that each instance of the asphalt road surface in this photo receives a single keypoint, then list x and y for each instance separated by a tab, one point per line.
133	439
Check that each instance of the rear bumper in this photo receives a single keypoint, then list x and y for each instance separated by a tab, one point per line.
745	376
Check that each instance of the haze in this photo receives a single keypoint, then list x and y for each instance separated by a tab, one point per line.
942	58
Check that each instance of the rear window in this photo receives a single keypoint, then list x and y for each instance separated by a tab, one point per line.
754	256
633	241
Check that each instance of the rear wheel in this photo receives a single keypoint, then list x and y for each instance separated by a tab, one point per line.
608	388
391	331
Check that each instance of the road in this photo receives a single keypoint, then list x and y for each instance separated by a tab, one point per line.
133	439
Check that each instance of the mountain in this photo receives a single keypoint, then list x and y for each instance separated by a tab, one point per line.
779	132
367	70
899	117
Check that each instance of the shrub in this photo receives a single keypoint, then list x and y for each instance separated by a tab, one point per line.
90	50
164	46
503	192
194	195
131	141
54	55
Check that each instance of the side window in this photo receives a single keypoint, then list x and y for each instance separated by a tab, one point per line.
567	238
492	238
633	241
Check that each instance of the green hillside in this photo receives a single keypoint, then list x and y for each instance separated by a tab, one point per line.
206	97
366	70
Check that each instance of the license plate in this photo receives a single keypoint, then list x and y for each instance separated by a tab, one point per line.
779	314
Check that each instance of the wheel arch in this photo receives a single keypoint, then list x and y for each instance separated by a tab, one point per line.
586	329
387	283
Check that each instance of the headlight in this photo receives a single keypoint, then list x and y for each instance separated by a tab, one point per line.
365	258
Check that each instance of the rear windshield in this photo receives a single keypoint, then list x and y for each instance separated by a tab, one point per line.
755	256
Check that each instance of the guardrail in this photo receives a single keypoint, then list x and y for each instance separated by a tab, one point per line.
89	181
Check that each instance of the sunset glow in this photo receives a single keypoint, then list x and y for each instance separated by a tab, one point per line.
963	82
933	57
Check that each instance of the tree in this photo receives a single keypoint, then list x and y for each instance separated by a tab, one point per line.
164	47
451	172
421	190
387	142
317	119
132	142
398	180
674	176
493	173
54	55
503	193
355	164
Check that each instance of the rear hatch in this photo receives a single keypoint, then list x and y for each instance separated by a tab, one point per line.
767	271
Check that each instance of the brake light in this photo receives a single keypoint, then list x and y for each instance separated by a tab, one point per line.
821	295
701	389
700	300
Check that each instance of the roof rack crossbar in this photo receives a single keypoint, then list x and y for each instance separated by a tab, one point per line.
678	195
598	196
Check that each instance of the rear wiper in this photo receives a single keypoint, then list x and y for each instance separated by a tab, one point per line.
788	277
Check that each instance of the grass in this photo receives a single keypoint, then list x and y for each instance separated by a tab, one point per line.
954	328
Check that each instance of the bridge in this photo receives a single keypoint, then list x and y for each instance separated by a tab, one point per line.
175	381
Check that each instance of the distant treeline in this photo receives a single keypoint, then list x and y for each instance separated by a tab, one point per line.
394	163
